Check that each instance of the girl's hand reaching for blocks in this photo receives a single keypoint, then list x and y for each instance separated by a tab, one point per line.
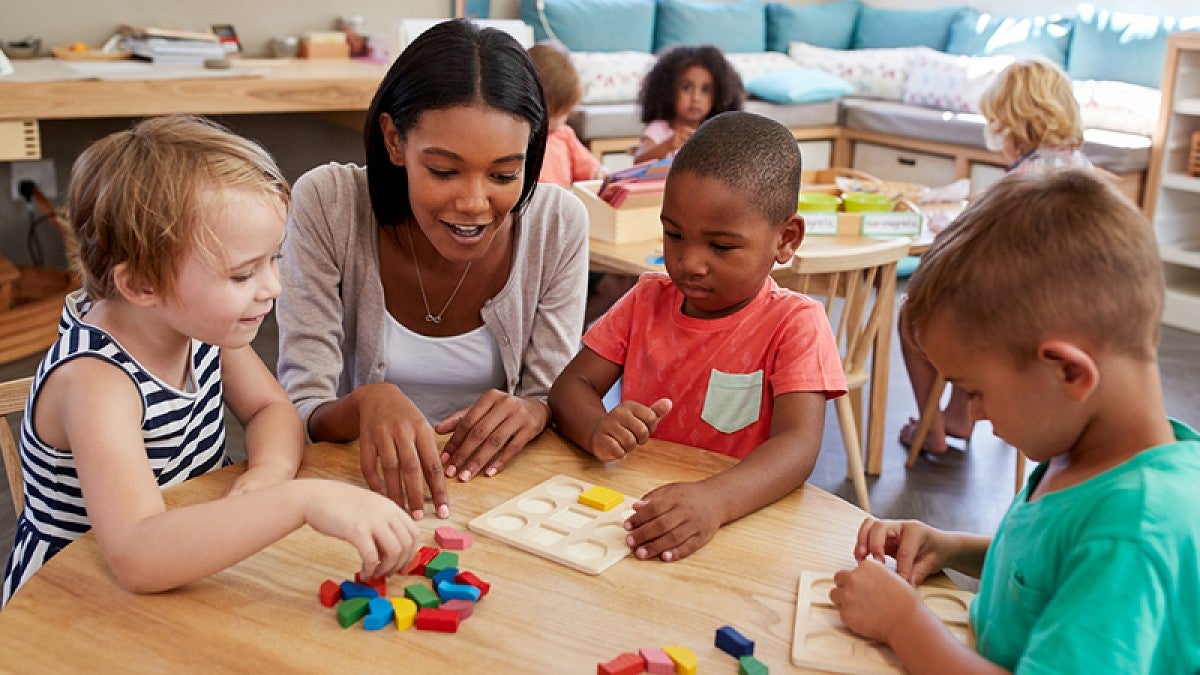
625	427
384	535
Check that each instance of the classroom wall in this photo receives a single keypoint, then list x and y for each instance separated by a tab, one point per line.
299	141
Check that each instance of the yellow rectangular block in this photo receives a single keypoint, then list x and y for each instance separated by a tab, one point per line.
600	498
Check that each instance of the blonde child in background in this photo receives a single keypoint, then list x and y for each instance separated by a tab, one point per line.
687	85
178	225
566	160
1033	122
714	353
1042	301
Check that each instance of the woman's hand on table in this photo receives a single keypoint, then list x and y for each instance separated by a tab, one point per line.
489	434
394	439
382	533
672	522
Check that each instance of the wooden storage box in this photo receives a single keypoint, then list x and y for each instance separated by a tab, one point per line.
617	226
32	305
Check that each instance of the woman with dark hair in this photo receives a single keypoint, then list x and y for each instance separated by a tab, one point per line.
687	85
435	290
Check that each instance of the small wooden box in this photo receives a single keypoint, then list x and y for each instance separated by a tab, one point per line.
1194	156
617	226
324	48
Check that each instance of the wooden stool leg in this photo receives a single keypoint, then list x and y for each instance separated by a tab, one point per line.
931	406
854	461
1020	471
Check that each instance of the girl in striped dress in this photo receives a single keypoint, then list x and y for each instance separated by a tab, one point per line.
178	224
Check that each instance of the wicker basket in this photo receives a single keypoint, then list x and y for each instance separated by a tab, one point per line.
1194	156
32	307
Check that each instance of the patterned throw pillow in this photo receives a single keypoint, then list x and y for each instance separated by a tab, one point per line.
753	66
611	77
875	73
950	82
1117	106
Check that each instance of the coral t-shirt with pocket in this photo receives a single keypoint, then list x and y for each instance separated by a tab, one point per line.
721	374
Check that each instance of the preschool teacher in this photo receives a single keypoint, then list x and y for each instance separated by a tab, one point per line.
440	288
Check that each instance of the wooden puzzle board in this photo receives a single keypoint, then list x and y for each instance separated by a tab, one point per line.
548	520
822	641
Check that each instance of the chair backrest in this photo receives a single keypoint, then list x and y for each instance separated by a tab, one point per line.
12	400
860	275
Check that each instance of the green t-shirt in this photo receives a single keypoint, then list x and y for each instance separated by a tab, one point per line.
1103	576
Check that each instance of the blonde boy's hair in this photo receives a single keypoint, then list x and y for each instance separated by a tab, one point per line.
1032	100
138	197
1042	255
560	81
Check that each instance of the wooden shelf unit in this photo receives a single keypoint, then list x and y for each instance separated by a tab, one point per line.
1172	196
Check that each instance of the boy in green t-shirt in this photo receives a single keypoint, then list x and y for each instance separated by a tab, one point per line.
1042	301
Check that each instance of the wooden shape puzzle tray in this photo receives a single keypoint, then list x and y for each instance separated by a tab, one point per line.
548	520
823	642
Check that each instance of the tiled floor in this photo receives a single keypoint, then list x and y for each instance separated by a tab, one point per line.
960	490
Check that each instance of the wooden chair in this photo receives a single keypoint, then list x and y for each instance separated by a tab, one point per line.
931	405
12	400
864	277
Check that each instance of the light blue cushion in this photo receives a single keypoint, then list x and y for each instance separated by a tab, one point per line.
799	85
594	25
883	28
975	34
1119	46
829	25
734	26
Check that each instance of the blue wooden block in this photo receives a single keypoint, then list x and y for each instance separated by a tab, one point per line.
351	589
733	643
447	591
379	614
447	574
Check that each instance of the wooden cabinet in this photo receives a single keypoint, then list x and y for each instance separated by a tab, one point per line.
1173	196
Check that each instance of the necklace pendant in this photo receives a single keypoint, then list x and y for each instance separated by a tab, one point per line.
433	319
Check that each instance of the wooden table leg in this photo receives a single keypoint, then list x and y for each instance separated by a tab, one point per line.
880	364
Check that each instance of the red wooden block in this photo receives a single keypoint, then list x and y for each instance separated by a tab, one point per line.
330	593
443	620
625	664
423	556
470	579
465	608
378	583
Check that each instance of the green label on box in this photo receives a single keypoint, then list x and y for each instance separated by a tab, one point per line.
894	224
821	223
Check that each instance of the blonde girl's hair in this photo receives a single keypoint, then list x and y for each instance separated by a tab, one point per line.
1043	254
1032	101
560	80
138	197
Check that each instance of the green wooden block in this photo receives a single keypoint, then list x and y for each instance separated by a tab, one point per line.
748	665
350	611
441	561
422	595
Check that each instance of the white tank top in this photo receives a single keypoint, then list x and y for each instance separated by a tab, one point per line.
441	375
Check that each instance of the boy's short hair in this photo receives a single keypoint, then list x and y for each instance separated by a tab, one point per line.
1033	101
752	154
137	197
560	81
1043	254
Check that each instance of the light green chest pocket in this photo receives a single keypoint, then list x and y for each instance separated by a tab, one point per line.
733	401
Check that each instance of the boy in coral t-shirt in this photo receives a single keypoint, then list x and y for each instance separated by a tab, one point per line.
714	354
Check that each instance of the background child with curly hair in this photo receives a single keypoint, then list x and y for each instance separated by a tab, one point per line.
687	85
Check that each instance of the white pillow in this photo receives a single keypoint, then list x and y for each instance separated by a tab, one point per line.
751	66
951	82
1117	106
611	77
875	73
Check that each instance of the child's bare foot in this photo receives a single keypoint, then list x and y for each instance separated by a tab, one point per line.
935	443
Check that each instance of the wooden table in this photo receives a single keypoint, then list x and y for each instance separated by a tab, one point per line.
634	258
540	617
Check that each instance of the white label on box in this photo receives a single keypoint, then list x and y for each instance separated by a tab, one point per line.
820	223
897	224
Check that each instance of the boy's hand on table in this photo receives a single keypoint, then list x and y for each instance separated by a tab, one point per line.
919	549
672	522
873	600
625	427
486	436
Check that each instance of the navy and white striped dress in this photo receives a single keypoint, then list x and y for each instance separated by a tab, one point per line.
184	432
